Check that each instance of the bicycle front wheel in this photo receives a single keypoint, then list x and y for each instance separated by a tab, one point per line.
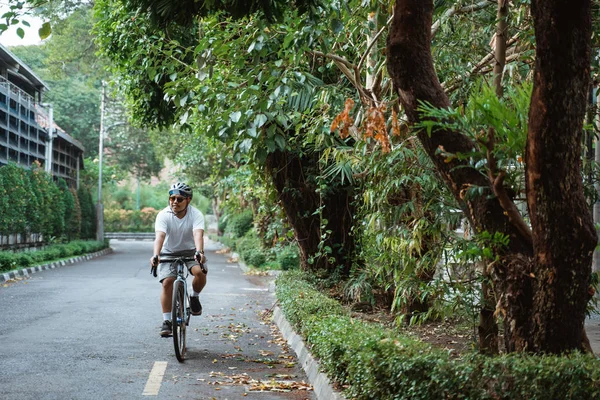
178	317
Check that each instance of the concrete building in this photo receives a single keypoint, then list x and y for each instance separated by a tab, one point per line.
27	130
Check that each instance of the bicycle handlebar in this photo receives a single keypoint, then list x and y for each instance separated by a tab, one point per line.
171	260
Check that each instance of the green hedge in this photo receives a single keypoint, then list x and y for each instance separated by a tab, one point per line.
377	363
32	203
17	260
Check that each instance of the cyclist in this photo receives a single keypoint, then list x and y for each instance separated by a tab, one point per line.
179	230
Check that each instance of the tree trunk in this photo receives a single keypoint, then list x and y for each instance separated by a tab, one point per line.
410	65
543	296
488	328
564	237
292	176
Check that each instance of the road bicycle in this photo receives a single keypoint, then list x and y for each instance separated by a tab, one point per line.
180	309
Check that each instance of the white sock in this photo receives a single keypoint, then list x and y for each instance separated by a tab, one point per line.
167	316
195	294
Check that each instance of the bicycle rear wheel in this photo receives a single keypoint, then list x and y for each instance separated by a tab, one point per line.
178	317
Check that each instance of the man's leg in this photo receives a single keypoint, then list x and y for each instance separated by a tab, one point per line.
166	301
198	284
199	280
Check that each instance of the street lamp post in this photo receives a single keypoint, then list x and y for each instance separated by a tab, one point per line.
99	206
103	132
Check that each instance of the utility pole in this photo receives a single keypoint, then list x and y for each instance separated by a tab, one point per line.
99	206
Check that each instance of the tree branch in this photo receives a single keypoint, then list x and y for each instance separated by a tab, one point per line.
373	41
455	10
484	62
350	71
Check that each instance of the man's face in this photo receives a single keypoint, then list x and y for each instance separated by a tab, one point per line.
178	202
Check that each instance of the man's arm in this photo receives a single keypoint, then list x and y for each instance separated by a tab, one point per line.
199	242
159	239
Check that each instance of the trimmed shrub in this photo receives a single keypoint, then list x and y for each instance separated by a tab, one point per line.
239	224
248	242
288	257
23	260
88	213
253	256
10	260
53	253
376	363
7	261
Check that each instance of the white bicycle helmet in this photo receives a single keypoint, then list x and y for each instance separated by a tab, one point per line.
182	189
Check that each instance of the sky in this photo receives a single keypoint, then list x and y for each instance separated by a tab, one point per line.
10	38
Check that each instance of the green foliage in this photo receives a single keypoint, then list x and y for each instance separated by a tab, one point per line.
146	47
7	261
255	257
157	196
508	116
288	257
72	213
110	174
23	260
249	248
406	221
376	363
222	224
33	204
239	224
248	242
15	193
133	151
88	213
17	260
279	98
300	301
46	208
76	109
119	220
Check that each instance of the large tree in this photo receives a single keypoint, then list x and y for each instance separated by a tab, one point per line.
542	281
242	83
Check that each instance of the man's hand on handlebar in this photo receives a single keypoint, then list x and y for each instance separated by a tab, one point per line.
153	264
201	260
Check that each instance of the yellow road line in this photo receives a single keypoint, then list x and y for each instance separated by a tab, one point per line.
155	379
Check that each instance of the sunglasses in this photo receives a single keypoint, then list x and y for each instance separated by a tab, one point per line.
176	199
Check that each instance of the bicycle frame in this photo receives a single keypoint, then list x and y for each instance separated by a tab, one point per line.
180	311
182	274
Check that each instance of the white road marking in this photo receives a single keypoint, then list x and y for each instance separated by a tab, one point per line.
155	378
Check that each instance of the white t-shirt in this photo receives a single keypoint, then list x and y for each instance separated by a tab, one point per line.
180	237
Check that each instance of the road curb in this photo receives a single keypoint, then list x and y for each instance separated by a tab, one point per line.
57	264
320	382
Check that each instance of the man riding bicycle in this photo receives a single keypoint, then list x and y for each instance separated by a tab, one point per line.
179	232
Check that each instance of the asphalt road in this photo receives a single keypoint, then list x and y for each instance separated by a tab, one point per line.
91	331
